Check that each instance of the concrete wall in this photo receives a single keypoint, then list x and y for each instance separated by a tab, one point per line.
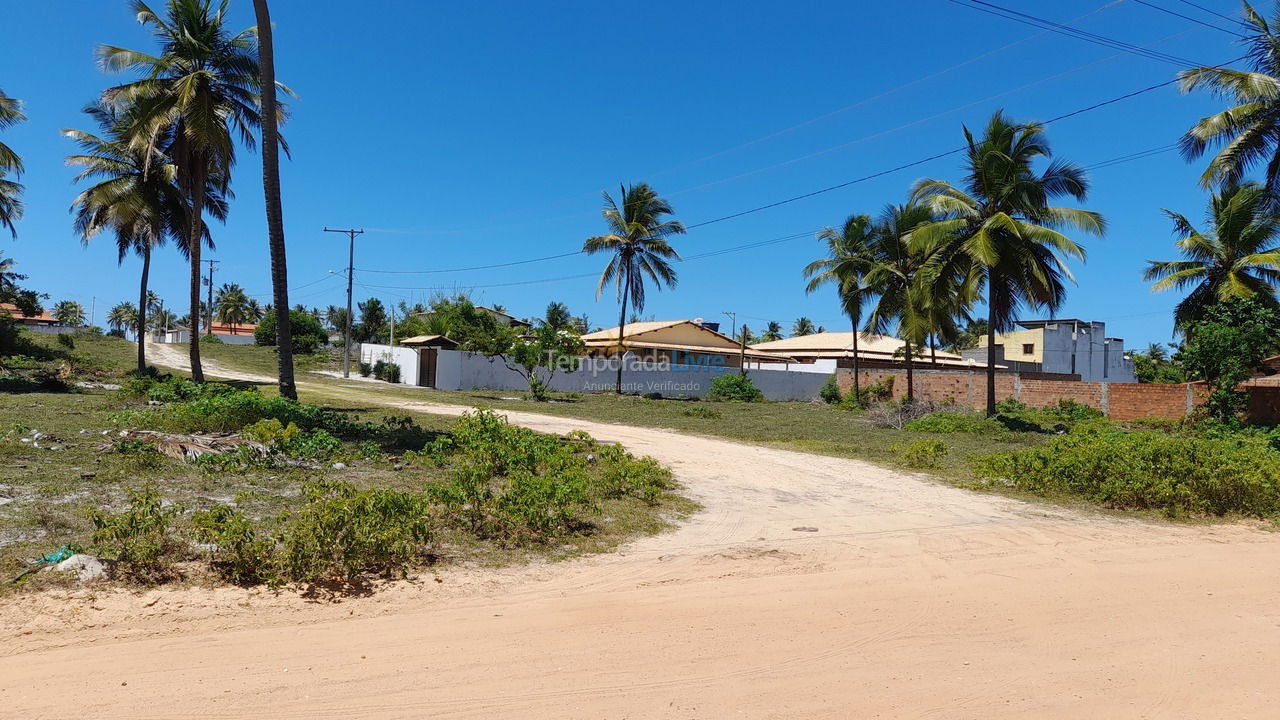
406	358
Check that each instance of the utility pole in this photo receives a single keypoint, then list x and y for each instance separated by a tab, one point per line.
351	262
393	323
93	309
209	310
742	340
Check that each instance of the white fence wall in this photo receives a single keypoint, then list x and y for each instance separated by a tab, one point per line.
457	370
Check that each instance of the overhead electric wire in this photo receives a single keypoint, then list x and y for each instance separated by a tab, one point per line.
473	267
1228	18
1073	32
1167	11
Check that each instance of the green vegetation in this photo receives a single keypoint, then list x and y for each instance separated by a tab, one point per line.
308	334
1226	345
734	387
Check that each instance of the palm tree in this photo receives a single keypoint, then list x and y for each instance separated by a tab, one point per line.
10	205
845	265
1156	352
197	93
256	313
772	331
1248	133
271	191
135	198
999	232
1237	256
231	305
69	312
902	301
638	239
161	319
557	316
802	326
123	315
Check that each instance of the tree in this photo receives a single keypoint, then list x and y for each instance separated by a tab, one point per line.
28	301
999	232
1248	133
68	312
231	305
308	334
196	95
970	337
845	265
639	241
336	318
1236	257
802	326
10	191
161	320
271	191
1154	365
772	332
557	316
256	312
893	278
373	321
1225	346
123	315
134	197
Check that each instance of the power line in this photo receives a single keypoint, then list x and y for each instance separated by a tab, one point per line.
1073	32
1228	18
1167	11
474	267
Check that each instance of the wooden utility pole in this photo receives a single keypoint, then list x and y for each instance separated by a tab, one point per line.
209	282
351	262
742	340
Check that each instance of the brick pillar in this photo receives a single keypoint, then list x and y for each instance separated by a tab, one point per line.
1191	400
1017	386
1106	399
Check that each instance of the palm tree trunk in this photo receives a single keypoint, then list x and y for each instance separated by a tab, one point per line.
142	309
991	361
271	190
933	350
857	365
622	323
198	173
911	378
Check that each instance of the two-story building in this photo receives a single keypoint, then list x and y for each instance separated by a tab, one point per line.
1066	346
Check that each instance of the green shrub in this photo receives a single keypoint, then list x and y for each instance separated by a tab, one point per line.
307	333
924	454
138	539
293	442
342	532
231	411
1146	470
623	474
239	554
877	392
386	371
699	411
955	422
830	391
207	339
365	369
66	341
170	389
1072	411
734	387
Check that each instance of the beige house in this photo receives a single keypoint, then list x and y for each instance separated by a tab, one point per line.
680	342
1061	346
835	349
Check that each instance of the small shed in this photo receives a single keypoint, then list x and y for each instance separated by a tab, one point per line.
429	341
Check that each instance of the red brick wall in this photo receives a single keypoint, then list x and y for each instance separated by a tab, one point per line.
1130	401
1043	393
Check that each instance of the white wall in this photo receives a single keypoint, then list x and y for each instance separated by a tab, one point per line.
406	358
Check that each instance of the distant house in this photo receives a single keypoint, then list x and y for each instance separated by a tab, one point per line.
232	334
1068	346
680	342
830	350
40	319
504	318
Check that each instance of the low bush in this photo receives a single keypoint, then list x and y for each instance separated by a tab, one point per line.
734	387
138	539
830	391
238	553
951	421
623	474
292	441
365	369
231	411
924	454
1145	470
386	371
170	389
211	340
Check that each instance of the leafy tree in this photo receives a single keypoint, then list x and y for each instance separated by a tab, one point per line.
802	326
10	191
772	332
969	337
336	318
68	312
1237	256
846	265
123	315
196	96
1225	346
308	334
638	240
557	316
1153	365
231	305
1248	134
28	301
373	321
999	232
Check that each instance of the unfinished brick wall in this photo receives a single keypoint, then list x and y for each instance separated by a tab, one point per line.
1120	401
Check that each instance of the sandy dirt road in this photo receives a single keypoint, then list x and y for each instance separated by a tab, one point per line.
912	599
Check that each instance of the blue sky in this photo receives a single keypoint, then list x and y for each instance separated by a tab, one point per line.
463	134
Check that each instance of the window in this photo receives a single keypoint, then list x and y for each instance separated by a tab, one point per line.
1028	348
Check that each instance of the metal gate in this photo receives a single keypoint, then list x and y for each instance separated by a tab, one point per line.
427	367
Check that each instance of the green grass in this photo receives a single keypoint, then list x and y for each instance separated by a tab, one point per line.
262	360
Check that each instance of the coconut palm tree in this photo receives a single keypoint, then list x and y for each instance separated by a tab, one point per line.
10	191
772	331
68	312
1248	133
256	312
123	316
846	263
1238	255
134	197
1000	232
639	241
200	92
802	326
161	319
271	192
231	305
557	316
